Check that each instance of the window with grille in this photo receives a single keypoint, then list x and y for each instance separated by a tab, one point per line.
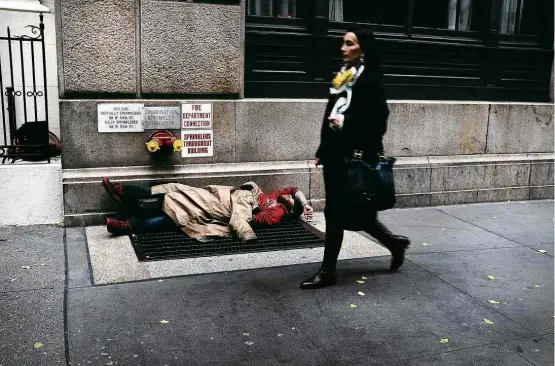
273	8
390	12
461	15
430	48
519	17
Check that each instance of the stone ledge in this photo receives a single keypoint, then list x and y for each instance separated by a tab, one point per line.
85	202
458	160
223	169
185	171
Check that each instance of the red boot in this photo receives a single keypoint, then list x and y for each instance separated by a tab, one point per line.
115	190
117	227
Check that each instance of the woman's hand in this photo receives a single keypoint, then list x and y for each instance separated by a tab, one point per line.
336	122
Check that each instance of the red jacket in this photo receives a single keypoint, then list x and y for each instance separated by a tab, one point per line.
272	212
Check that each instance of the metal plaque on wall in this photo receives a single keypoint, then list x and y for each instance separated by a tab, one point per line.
162	118
114	117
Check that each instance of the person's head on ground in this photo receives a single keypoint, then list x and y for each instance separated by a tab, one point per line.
295	207
359	46
288	201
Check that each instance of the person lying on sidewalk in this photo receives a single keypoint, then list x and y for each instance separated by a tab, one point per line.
205	213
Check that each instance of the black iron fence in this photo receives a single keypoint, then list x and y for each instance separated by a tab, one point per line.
25	134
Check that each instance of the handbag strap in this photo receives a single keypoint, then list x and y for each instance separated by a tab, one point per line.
359	155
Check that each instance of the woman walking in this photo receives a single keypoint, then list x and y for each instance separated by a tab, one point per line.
355	119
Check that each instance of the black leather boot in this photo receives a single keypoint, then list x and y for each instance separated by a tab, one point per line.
397	245
324	277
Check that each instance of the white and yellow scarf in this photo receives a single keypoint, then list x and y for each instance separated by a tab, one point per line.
343	82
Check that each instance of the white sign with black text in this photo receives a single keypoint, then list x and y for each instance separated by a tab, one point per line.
196	115
160	118
197	143
120	117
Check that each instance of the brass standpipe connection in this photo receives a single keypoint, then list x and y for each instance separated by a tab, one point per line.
164	141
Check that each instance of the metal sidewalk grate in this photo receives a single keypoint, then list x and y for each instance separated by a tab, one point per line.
176	245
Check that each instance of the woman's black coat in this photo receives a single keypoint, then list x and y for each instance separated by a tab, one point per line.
364	125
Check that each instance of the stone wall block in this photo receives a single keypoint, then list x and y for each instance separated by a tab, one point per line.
274	131
516	128
98	40
189	48
427	129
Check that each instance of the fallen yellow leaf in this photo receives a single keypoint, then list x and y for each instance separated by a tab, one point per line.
361	282
246	334
352	306
536	285
491	277
163	321
444	340
493	302
425	244
364	278
37	345
361	293
542	251
487	321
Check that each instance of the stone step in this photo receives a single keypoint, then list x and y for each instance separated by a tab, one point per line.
420	181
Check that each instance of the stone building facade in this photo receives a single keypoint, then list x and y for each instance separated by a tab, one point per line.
478	125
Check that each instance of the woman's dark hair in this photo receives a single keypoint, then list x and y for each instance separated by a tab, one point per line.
369	47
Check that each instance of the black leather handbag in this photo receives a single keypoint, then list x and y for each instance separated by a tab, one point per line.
370	182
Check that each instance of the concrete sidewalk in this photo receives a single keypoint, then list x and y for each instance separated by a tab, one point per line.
476	290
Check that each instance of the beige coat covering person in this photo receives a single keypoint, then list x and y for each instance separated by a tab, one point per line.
210	212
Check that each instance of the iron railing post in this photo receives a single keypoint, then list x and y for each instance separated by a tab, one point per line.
10	93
